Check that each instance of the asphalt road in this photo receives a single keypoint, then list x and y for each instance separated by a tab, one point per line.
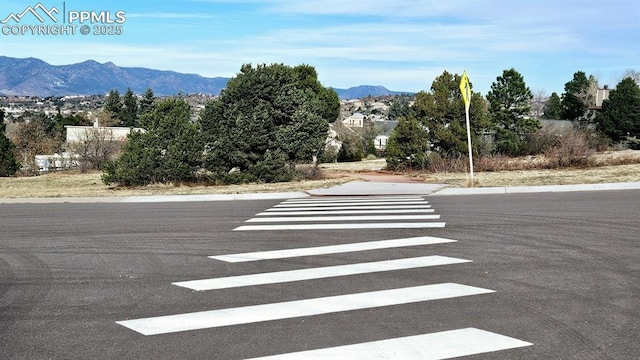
564	268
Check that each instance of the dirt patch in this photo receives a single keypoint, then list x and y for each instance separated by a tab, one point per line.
381	176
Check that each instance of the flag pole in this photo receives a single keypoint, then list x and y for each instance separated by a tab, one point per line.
465	89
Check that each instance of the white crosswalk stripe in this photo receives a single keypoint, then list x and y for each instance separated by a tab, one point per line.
318	273
436	346
359	207
395	225
345	218
292	309
354	199
352	202
400	212
346	213
332	249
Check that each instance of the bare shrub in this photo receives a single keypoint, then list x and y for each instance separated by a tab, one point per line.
309	172
440	163
541	140
569	148
94	147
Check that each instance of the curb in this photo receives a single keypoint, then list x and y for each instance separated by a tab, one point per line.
301	194
214	197
536	189
155	198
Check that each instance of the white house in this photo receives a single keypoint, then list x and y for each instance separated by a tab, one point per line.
355	120
601	96
75	134
78	133
381	142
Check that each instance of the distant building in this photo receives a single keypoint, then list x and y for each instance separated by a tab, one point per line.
79	133
355	120
601	96
382	139
381	142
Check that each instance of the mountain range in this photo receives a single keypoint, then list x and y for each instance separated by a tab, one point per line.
35	77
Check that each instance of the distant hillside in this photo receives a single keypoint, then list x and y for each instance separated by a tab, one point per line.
366	90
34	77
37	78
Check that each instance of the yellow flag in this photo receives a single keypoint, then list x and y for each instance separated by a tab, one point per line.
465	89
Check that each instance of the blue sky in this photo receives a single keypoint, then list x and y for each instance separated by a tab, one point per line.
400	44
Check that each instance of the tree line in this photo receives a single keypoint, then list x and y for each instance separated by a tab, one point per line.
271	118
434	126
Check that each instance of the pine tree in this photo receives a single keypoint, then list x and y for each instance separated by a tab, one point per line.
129	111
146	103
8	163
271	112
169	151
408	145
574	102
620	114
553	107
442	112
509	101
113	108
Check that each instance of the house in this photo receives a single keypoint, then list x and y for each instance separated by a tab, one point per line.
84	135
601	96
386	128
79	133
355	120
381	142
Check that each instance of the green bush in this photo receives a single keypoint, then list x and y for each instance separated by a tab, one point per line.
350	150
329	155
408	146
170	151
633	143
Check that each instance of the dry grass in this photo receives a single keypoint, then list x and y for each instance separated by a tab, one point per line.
596	175
606	167
65	184
627	169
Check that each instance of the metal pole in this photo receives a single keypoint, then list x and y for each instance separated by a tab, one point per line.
469	144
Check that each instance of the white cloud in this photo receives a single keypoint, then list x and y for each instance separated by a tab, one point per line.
402	44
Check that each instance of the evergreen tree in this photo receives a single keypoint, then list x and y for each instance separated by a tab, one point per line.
553	107
574	99
271	111
129	111
8	163
169	151
351	147
442	112
113	108
408	145
399	107
147	102
509	107
620	114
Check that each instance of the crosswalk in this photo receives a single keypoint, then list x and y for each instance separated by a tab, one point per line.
347	213
340	211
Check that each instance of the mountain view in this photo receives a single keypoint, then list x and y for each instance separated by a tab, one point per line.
34	77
